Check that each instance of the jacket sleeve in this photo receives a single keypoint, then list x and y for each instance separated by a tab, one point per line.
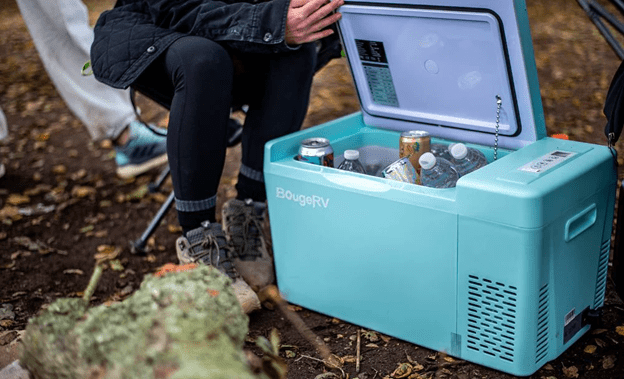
248	27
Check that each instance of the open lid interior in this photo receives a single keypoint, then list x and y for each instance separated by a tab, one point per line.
442	69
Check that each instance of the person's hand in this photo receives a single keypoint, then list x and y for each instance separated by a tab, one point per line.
307	19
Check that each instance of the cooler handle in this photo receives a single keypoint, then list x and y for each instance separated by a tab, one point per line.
580	222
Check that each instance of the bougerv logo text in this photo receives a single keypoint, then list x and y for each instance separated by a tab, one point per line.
313	201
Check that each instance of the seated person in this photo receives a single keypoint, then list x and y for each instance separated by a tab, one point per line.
201	57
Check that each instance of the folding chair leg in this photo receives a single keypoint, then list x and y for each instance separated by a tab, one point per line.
138	246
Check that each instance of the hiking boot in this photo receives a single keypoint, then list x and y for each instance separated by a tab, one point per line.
244	225
146	149
207	245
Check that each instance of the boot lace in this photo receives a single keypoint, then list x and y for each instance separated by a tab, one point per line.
249	238
203	250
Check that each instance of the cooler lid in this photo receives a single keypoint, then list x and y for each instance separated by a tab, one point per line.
441	67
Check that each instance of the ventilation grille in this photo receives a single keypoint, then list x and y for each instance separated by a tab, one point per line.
491	318
542	325
601	278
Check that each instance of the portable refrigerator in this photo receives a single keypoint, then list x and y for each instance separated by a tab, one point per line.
502	270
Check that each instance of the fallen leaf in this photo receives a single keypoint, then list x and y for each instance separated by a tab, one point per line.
386	339
327	375
290	354
404	370
87	228
138	193
78	174
83	191
159	197
349	359
59	169
39	189
107	252
370	335
10	212
371	345
174	229
333	361
608	362
570	372
6	323
38	246
101	233
619	330
73	271
600	342
17	199
116	265
590	349
43	137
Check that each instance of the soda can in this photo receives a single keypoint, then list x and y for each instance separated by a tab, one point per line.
402	171
413	144
316	150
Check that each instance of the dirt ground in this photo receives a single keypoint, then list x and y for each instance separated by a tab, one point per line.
60	202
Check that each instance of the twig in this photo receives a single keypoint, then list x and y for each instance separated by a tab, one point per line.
357	356
319	360
271	293
95	278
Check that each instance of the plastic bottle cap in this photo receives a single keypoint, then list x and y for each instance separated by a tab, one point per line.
427	160
351	154
459	151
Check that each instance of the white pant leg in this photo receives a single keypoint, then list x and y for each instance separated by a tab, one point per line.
62	35
4	128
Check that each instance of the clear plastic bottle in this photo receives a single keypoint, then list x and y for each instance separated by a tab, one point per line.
436	172
466	160
441	150
352	162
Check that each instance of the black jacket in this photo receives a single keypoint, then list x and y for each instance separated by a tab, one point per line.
132	34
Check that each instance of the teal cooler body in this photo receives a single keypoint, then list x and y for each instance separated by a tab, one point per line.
500	270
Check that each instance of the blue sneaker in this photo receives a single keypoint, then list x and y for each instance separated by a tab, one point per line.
146	149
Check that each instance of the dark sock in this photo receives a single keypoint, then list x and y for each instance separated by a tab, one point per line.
250	189
192	220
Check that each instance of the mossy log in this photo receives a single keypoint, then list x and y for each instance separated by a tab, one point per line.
181	325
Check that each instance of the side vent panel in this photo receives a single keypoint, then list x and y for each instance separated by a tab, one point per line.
601	278
491	318
542	326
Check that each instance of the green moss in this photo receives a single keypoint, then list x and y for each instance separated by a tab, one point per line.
182	325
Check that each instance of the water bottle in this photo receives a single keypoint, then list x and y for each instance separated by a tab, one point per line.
352	162
441	150
436	172
465	159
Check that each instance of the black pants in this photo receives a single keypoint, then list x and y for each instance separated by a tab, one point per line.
201	80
